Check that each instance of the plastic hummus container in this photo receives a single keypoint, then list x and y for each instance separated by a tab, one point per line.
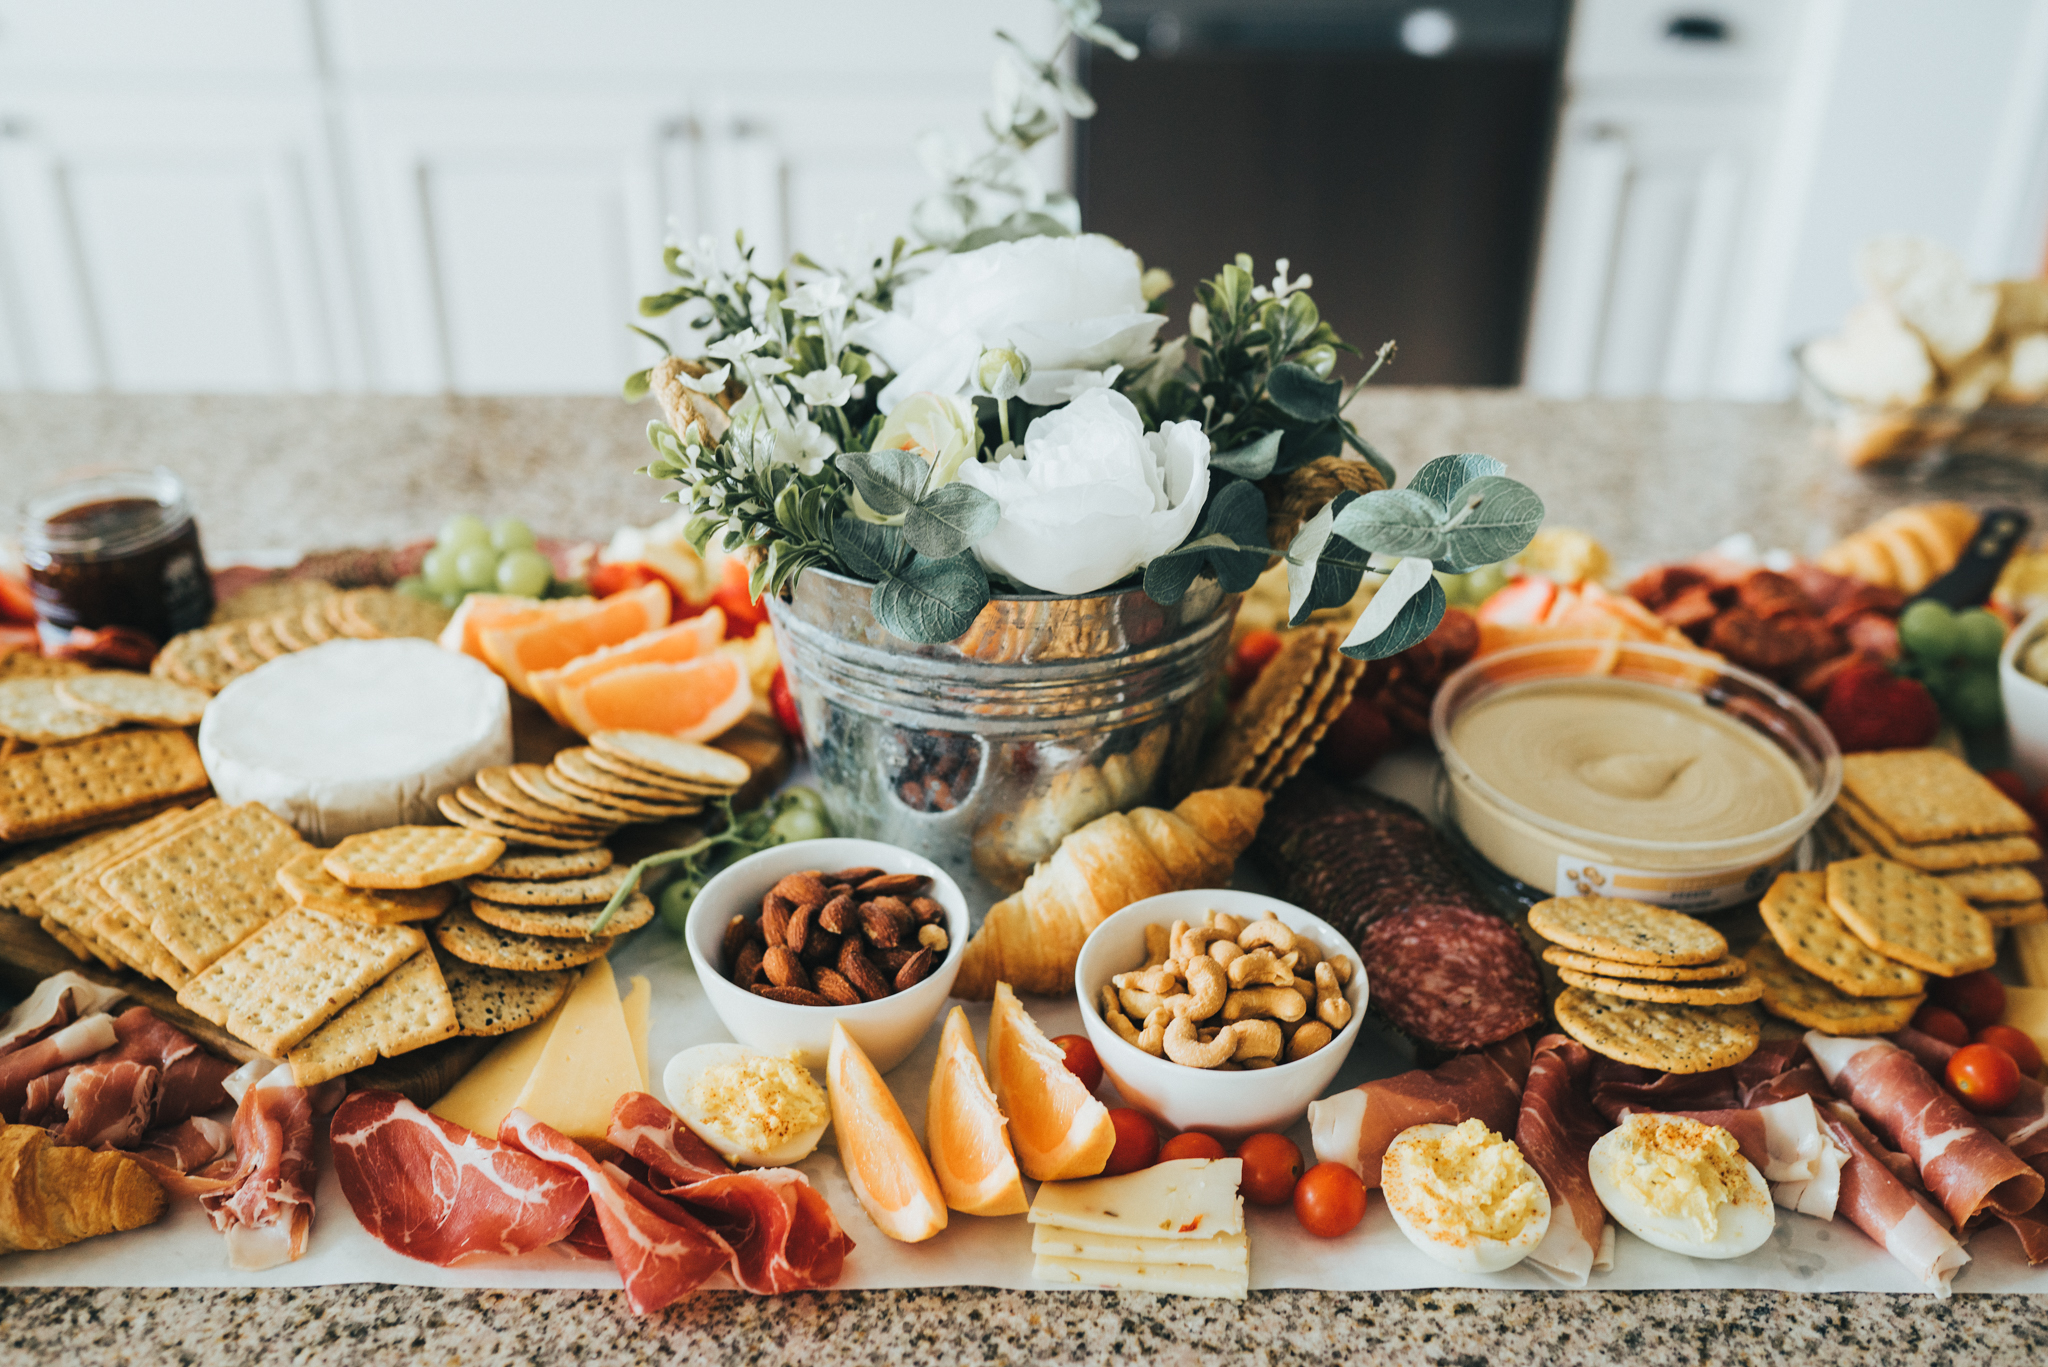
1626	770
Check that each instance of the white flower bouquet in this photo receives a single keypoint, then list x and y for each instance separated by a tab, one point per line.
990	407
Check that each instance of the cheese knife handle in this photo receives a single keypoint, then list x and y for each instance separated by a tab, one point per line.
1969	584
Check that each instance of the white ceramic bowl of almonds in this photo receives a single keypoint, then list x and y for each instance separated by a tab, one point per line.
1223	1102
888	1029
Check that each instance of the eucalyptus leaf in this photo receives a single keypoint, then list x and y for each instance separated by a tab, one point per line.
929	601
1016	227
1396	522
890	481
637	384
1230	544
653	337
1401	614
1443	477
866	549
1253	460
1502	522
1168	577
1323	569
949	520
1303	395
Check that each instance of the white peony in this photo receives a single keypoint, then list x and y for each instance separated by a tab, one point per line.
1073	306
1093	497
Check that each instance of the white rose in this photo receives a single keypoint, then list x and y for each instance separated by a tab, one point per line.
1094	495
1071	305
937	428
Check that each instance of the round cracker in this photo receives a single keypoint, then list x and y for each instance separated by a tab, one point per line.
648	778
313	621
497	1001
534	781
33	710
268	596
562	923
1627	932
510	835
232	641
1734	993
1258	720
566	892
681	759
496	784
530	867
576	764
263	640
290	634
1670	1038
491	810
412	856
377	613
135	697
638	808
1656	973
463	935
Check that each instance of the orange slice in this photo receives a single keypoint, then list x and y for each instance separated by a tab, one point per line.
517	651
697	700
479	611
1060	1130
883	1163
672	644
964	1129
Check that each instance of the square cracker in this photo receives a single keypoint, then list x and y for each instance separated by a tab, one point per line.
410	1009
1806	929
2005	915
279	985
1906	915
306	878
119	930
1793	994
49	791
409	857
66	900
1939	856
210	886
1930	795
1994	883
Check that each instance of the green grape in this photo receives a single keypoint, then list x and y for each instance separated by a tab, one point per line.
464	530
413	586
477	567
510	534
674	903
1974	702
452	601
1929	630
1981	636
438	572
525	572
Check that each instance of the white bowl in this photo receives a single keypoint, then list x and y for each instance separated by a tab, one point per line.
886	1030
1226	1104
2026	702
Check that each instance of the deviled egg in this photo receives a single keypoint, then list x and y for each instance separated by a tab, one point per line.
1465	1196
1682	1185
757	1109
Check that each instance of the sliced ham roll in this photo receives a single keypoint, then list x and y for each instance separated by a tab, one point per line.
1356	1127
1555	1131
73	1043
189	1078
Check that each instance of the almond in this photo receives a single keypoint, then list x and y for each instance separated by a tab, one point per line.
852	877
893	884
797	933
885	921
855	968
915	969
781	966
927	911
799	889
738	931
892	959
794	996
835	989
838	915
820	947
746	966
774	919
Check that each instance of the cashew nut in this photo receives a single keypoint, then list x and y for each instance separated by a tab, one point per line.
1190	942
1309	1036
1342	966
1139	1004
1148	1038
1253	1064
1223	951
1257	1039
1224	926
1273	934
1184	1046
1260	967
1158	946
1276	1003
1311	953
1331	1007
1161	980
1208	986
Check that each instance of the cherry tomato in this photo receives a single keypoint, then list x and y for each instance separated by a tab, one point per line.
2017	1043
16	605
1979	998
1251	654
1081	1059
1272	1165
784	703
1358	739
1137	1143
1329	1200
1193	1144
1984	1077
2011	784
1942	1023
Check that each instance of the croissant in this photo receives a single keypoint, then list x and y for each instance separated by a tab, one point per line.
1032	939
52	1195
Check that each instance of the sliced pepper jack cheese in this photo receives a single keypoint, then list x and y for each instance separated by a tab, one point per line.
1189	1198
1227	1251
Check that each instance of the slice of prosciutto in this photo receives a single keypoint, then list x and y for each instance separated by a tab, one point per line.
662	1255
434	1191
179	1156
1555	1131
1964	1165
108	1104
782	1232
57	1001
80	1040
1356	1127
188	1079
266	1206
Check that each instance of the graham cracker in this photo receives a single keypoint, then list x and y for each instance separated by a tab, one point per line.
279	985
412	856
1626	931
1811	935
1906	915
1670	1038
1940	856
306	879
63	788
1925	796
408	1010
212	885
1796	995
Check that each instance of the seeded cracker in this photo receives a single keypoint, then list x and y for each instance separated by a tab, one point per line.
33	710
496	784
1672	1039
194	658
494	1001
1730	992
1812	936
1796	995
309	883
1308	706
1260	717
280	984
1903	914
51	791
269	596
409	1010
1939	856
577	765
1930	795
526	867
564	892
1349	672
232	641
648	778
463	935
135	697
1629	932
679	759
563	922
208	887
505	835
411	856
1717	971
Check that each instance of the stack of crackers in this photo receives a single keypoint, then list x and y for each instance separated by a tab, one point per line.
1648	986
1276	726
1931	811
533	917
120	775
589	791
1850	947
283	616
57	706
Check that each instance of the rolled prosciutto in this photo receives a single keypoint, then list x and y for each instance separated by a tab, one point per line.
266	1206
1555	1131
1355	1127
2021	1127
1966	1168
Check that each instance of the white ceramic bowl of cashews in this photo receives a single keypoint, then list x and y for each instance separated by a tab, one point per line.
1226	1101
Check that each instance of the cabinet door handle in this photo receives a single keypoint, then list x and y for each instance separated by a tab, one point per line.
1698	28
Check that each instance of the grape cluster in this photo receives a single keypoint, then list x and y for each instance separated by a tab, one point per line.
471	556
1956	655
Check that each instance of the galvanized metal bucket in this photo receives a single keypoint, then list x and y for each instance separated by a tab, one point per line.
982	752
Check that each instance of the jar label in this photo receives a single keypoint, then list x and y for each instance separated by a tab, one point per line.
1706	891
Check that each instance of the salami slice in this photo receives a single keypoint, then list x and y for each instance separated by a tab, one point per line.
1450	976
1353	857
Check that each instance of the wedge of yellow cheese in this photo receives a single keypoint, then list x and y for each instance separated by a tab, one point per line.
589	1061
2026	1010
636	1003
482	1097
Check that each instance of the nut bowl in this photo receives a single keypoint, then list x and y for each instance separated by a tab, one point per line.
888	1029
1225	1104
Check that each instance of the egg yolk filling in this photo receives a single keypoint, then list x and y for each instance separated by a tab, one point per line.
1682	1169
1462	1185
759	1101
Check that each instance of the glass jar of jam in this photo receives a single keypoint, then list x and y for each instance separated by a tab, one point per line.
115	547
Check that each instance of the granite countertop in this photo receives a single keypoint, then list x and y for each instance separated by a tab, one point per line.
1653	479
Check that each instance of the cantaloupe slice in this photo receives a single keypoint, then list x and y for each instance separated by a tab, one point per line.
965	1131
697	700
479	611
1061	1131
551	642
672	644
883	1162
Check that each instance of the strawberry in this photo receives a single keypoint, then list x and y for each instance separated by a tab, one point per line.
1870	708
2012	785
783	702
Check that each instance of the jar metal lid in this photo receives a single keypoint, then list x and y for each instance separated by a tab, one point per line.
150	508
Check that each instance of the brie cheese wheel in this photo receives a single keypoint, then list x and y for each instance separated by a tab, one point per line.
353	736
